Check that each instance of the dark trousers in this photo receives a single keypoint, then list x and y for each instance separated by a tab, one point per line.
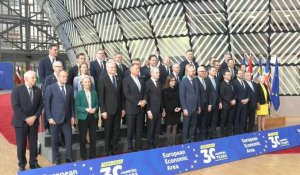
240	118
67	131
22	134
226	125
112	132
89	124
213	117
189	127
251	119
153	131
202	124
135	127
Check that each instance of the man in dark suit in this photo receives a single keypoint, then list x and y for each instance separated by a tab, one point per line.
97	67
224	65
214	103
252	104
153	60
164	70
121	68
242	99
27	104
231	68
45	64
59	110
227	95
136	61
134	91
175	72
190	103
204	96
153	96
189	60
57	67
73	71
219	74
110	97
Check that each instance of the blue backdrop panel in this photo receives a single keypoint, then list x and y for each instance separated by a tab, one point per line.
6	75
182	158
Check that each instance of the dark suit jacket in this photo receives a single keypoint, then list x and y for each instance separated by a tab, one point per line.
214	97
58	107
145	73
163	73
204	93
253	95
45	68
96	71
189	95
81	104
120	72
73	72
240	92
223	66
153	96
111	98
23	107
133	95
227	94
261	97
48	81
182	67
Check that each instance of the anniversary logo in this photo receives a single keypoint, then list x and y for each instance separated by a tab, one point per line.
276	141
210	153
115	167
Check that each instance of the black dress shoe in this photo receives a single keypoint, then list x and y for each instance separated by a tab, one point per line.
21	169
62	145
69	160
34	166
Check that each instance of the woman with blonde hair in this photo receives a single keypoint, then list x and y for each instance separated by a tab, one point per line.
264	103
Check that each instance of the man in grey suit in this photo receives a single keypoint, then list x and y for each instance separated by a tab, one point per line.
190	103
27	104
59	110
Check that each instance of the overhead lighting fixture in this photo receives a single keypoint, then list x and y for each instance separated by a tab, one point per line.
251	16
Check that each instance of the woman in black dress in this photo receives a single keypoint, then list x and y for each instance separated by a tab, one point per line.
172	108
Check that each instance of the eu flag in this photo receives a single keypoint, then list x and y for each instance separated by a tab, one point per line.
275	87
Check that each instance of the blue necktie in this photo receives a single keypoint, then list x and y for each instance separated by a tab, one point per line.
63	91
114	81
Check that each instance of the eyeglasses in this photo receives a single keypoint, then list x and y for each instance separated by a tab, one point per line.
172	80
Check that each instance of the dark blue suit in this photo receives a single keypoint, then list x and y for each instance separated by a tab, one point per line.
23	107
214	101
251	107
241	109
96	71
190	101
134	113
60	109
45	68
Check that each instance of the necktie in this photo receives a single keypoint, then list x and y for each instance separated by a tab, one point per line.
251	85
214	83
31	94
137	82
156	84
114	81
52	60
168	70
101	65
63	91
120	66
203	84
242	83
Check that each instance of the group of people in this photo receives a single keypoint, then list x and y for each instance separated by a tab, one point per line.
106	89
